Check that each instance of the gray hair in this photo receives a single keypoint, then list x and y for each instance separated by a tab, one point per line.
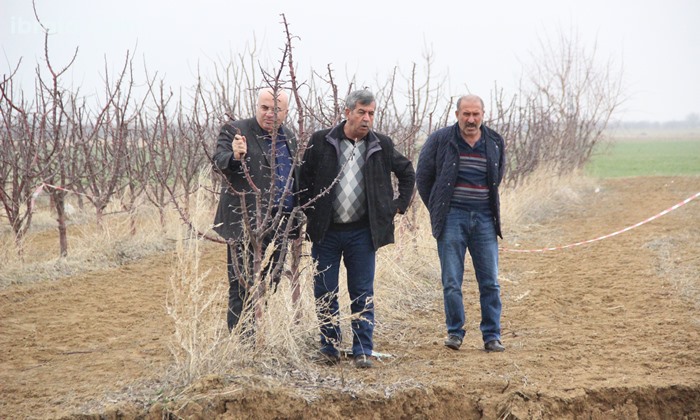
363	97
470	98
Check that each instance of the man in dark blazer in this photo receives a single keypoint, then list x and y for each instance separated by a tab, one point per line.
256	158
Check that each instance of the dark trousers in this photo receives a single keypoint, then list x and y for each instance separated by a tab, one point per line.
238	294
356	249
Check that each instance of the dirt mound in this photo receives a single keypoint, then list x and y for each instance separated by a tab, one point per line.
604	330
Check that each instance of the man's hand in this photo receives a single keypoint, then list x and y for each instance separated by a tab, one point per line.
240	146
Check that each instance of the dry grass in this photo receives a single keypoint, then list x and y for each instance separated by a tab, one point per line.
286	338
202	345
90	247
542	196
407	283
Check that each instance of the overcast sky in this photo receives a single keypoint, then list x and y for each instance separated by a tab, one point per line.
475	43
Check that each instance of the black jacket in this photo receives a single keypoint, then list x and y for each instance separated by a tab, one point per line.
228	220
320	168
438	168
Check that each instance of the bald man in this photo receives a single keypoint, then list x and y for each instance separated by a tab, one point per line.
264	148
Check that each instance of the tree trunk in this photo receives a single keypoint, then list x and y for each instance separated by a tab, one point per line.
294	276
59	201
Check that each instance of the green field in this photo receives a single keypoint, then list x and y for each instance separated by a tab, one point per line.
645	157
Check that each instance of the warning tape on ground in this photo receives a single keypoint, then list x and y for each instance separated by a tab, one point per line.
600	238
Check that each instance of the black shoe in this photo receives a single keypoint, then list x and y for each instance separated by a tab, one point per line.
494	345
328	358
454	342
363	361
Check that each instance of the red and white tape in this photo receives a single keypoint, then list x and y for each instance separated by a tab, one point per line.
38	190
43	185
600	238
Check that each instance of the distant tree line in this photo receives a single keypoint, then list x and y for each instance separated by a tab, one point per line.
691	121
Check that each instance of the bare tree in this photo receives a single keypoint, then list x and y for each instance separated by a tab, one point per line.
562	108
159	135
409	113
187	152
99	151
21	175
54	136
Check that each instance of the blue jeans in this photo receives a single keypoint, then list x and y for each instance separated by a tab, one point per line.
357	251
474	231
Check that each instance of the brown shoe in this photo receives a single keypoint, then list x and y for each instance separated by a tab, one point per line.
494	345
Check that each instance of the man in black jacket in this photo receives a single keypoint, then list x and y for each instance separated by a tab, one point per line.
459	170
345	182
256	157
